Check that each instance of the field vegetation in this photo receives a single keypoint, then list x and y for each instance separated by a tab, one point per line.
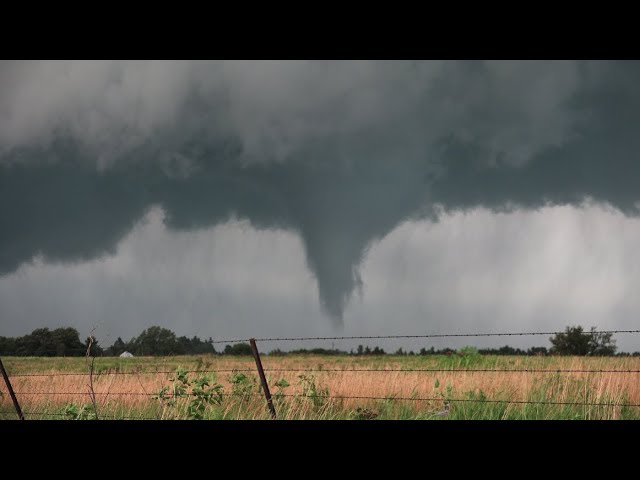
464	385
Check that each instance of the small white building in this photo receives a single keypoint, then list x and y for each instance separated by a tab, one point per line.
126	355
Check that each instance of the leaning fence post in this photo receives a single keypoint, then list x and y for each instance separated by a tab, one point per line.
263	380
11	392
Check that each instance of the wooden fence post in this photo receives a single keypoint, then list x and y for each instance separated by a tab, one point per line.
263	380
11	392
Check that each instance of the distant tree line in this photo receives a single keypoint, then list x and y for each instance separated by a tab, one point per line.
159	341
43	342
65	342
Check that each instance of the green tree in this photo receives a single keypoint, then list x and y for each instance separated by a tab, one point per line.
96	349
67	342
601	344
117	348
43	342
238	349
194	346
38	343
7	346
156	341
574	341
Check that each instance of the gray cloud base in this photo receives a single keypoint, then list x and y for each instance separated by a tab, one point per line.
340	153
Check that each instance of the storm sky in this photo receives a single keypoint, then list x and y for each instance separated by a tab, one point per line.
263	198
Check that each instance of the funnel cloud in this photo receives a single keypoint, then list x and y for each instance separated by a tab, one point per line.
339	154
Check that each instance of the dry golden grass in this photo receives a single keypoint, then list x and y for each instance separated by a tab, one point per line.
133	391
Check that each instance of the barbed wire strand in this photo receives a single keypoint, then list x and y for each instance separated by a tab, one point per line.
320	370
373	337
435	335
390	397
53	414
417	399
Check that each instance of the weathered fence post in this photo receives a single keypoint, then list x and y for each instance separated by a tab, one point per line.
263	380
11	392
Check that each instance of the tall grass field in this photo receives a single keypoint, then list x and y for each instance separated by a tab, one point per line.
456	387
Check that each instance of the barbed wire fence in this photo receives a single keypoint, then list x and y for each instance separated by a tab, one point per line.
92	394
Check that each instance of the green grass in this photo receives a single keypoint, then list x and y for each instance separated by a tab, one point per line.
308	395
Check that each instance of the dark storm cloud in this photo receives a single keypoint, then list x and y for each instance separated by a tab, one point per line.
340	153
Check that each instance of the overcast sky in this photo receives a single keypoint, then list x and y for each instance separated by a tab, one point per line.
236	199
